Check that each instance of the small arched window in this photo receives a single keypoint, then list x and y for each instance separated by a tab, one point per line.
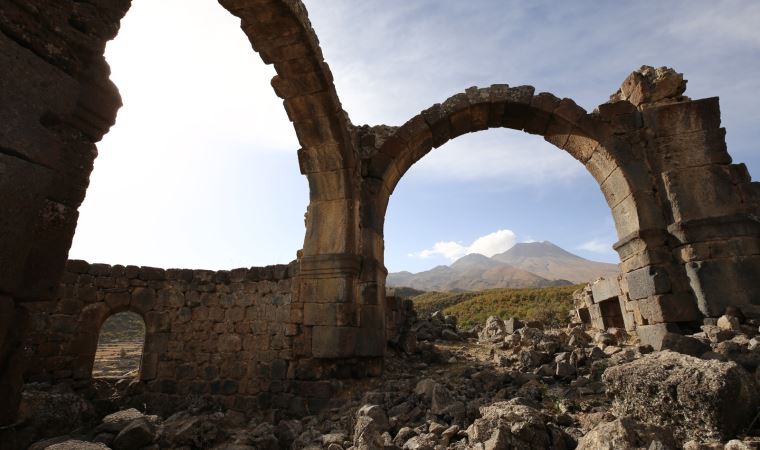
120	347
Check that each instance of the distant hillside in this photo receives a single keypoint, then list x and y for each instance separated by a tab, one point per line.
403	292
122	327
430	302
472	272
550	305
550	261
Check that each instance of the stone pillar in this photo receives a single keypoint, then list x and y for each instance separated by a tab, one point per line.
713	208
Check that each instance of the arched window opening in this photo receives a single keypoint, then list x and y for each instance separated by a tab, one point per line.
120	347
499	223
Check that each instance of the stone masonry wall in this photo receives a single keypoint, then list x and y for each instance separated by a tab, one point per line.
223	334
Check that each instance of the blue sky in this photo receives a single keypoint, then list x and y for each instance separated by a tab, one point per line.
200	169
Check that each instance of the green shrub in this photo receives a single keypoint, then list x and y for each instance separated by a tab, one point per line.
549	305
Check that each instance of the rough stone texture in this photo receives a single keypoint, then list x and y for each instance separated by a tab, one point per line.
626	434
649	85
73	444
512	425
137	434
694	398
226	335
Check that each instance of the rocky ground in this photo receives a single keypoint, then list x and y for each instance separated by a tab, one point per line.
505	385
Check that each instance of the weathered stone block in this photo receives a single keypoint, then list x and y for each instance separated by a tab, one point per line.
701	192
152	273
719	283
605	288
647	281
230	343
143	299
333	342
157	321
654	335
680	307
683	117
117	300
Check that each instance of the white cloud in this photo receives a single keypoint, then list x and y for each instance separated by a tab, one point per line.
497	242
596	246
505	157
491	244
449	250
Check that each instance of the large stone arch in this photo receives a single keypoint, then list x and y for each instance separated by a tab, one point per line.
623	178
58	101
648	147
600	141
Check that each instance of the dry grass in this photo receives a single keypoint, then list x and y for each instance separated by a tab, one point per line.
120	347
117	360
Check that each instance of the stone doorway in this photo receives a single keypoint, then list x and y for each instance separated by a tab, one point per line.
120	347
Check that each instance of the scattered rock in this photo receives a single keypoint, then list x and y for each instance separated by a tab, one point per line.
729	323
626	434
494	329
513	324
511	425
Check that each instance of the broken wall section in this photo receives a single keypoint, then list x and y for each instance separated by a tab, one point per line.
603	304
226	335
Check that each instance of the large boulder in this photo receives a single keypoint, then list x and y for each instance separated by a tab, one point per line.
370	427
74	444
506	425
494	329
53	410
626	434
185	429
114	423
697	399
139	433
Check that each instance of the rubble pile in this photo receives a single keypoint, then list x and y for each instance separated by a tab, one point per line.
507	384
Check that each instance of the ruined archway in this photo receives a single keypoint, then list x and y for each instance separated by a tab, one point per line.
120	346
686	217
623	145
58	102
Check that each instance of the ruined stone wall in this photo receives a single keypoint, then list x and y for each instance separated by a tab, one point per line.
223	334
706	256
55	102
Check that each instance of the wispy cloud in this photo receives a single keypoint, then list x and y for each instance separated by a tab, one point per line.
497	242
433	49
596	246
509	158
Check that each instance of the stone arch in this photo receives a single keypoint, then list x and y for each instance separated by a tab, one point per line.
601	141
282	35
91	322
561	122
101	342
58	102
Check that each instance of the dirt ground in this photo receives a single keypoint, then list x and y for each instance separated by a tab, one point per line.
118	359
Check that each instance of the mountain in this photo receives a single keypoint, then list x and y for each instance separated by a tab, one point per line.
472	272
550	261
526	265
